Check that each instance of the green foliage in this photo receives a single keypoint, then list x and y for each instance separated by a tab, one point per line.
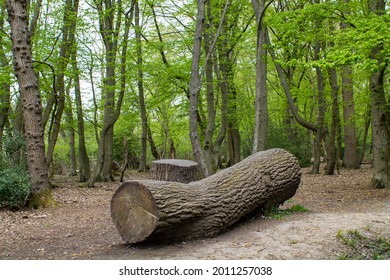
363	246
14	187
279	214
14	182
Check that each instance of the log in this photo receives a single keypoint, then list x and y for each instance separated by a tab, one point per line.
176	170
149	210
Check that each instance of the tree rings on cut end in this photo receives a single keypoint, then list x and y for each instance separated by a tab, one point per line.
134	211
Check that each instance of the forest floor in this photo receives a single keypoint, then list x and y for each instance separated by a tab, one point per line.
80	227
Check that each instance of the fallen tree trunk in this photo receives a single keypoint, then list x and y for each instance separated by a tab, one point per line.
172	211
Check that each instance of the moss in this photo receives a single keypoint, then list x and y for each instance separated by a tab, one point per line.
43	199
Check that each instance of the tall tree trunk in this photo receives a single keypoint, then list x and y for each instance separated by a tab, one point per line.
260	137
31	102
140	82
109	124
195	86
109	25
331	143
5	87
379	116
83	159
210	94
351	158
68	31
320	114
72	137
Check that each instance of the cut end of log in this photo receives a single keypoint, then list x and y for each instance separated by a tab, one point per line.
134	212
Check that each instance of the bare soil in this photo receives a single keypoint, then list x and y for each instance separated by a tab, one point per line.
80	226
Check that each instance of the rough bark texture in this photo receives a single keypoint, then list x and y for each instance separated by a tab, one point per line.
194	88
175	170
31	102
172	211
260	137
380	138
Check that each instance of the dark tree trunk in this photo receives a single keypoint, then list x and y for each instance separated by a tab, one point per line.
331	143
172	211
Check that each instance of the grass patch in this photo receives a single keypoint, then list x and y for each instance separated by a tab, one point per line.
363	246
279	214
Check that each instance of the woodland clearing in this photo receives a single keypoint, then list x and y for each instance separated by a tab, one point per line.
80	227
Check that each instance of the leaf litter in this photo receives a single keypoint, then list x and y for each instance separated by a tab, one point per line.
80	227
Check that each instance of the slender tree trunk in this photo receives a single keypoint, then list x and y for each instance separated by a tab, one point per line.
351	158
83	159
210	94
68	34
101	156
31	102
141	97
5	87
72	141
331	143
380	137
153	148
367	124
195	86
260	137
320	114
110	19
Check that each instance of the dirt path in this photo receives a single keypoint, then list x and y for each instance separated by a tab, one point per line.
81	228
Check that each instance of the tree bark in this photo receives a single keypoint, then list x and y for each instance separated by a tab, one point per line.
175	170
72	138
195	86
331	143
351	158
260	138
141	97
31	102
320	114
68	34
83	159
380	137
171	211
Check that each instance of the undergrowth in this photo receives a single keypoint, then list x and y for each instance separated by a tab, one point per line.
363	246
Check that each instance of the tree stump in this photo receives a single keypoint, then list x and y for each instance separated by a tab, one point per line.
175	170
172	211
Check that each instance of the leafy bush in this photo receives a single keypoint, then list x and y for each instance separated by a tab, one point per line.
14	188
14	184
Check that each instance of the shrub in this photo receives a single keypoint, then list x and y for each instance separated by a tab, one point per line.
14	188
